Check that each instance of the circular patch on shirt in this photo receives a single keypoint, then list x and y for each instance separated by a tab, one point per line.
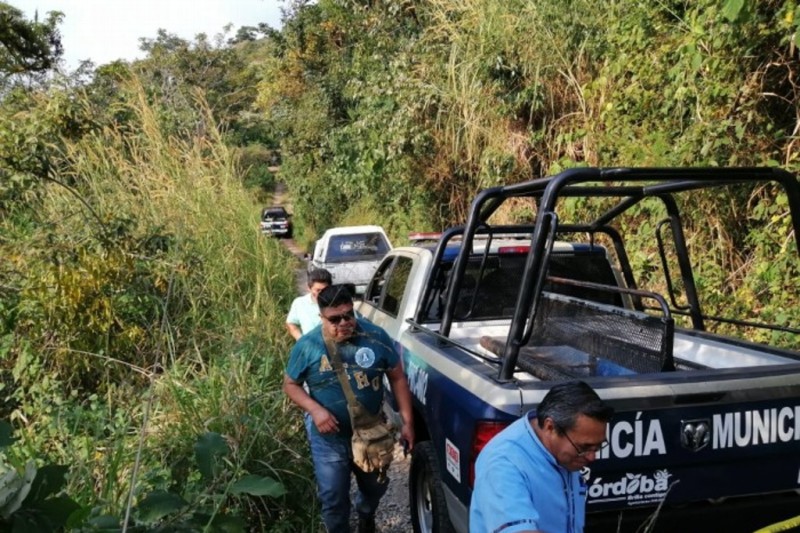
365	357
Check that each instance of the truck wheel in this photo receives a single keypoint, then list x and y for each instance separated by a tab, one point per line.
425	494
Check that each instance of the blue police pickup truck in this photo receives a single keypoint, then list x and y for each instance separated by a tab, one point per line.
602	285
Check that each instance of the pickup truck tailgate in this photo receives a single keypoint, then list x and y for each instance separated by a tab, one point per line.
690	453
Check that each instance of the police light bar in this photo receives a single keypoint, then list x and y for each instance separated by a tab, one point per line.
513	249
423	236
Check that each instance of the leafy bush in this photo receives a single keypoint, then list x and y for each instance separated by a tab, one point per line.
31	498
139	276
254	163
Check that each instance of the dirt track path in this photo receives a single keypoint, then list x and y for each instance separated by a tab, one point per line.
394	515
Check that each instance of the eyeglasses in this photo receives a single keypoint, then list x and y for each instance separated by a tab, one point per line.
583	450
335	319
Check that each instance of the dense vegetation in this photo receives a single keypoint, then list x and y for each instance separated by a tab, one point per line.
141	312
381	104
141	338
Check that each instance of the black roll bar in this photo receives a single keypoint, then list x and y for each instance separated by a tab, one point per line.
656	182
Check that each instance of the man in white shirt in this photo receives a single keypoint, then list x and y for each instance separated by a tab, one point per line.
304	313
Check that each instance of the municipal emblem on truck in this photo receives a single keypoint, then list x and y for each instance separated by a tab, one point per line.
695	434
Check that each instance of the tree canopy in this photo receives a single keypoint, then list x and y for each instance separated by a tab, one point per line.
28	46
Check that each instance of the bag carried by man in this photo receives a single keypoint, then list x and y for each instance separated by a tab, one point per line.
373	437
373	441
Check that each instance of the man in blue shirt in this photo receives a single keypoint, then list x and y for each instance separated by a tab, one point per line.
527	478
367	354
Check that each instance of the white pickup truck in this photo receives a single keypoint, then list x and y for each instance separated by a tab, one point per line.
706	435
351	253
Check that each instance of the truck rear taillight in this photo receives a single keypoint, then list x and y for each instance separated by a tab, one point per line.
484	431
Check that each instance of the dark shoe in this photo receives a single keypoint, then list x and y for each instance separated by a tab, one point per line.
366	524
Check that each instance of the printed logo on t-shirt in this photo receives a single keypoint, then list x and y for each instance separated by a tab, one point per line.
324	364
365	357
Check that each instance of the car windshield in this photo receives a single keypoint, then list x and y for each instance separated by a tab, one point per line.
278	212
357	247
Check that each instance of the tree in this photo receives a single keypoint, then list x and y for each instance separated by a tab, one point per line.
27	47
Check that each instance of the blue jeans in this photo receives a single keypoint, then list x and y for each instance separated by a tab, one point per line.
333	463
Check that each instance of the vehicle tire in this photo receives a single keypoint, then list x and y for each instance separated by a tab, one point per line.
425	493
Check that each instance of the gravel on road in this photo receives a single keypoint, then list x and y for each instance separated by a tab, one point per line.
394	514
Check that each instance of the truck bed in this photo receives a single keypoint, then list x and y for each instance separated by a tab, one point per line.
691	350
606	292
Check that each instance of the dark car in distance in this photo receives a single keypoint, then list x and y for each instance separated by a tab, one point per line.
276	221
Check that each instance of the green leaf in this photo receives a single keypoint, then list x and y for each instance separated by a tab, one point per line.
208	450
10	483
49	480
60	509
732	9
104	522
6	434
697	61
22	492
258	486
25	522
228	524
159	504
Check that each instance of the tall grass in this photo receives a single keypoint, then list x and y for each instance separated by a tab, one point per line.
506	90
158	238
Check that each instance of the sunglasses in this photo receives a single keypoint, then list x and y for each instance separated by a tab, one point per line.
335	319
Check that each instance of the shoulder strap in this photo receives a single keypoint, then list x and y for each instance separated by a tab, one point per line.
333	352
359	416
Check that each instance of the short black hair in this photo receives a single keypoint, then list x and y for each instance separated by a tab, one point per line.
335	295
319	275
567	400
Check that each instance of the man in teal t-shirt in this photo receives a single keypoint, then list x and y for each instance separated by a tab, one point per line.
367	354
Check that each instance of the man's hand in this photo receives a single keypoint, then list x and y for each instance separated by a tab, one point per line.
408	437
324	420
403	397
294	330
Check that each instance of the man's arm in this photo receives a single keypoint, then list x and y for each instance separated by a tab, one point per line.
293	319
294	330
501	497
323	419
402	396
